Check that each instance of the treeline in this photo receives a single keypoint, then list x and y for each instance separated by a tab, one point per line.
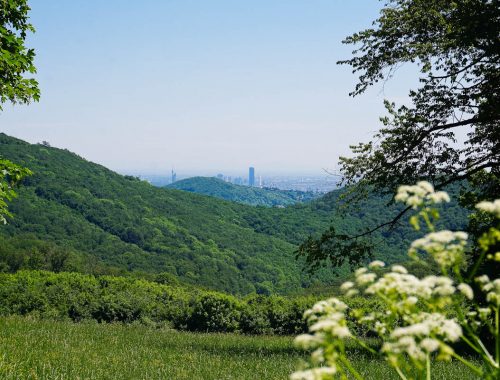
107	299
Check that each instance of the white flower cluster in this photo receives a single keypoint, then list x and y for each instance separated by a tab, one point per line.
491	288
399	286
446	247
420	194
426	333
490	207
326	319
328	324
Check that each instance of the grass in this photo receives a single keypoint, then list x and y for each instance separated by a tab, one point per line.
32	349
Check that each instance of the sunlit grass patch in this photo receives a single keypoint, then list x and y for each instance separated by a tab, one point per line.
32	349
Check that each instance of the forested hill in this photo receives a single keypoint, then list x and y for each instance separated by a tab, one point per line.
253	196
75	215
113	223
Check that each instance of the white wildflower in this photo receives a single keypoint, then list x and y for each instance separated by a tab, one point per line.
412	300
429	344
446	247
466	290
482	280
376	264
346	286
426	186
325	324
399	269
380	327
341	332
352	292
337	304
318	356
445	290
494	295
426	324
414	201
484	312
420	194
439	197
366	278
490	207
307	341
360	271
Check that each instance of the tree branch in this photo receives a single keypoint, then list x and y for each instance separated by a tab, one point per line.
391	223
427	132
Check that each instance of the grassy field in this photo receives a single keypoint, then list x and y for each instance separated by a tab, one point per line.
62	350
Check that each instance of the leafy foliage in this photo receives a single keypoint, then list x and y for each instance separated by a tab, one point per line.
74	215
15	58
15	61
456	47
10	175
109	299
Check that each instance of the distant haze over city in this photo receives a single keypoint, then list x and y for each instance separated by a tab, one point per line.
317	182
212	88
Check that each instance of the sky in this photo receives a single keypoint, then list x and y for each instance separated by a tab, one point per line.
200	86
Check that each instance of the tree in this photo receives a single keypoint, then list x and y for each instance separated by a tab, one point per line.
15	61
456	46
10	175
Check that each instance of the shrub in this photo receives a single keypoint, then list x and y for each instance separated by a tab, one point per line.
215	313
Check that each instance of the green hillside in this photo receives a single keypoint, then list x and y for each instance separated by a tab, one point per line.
75	215
253	196
109	223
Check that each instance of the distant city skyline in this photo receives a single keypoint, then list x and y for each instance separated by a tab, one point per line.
200	86
304	182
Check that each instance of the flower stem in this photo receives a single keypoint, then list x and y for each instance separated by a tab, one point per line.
478	262
428	367
497	333
351	369
401	375
365	346
468	364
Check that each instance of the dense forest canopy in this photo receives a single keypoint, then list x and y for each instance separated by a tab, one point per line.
73	215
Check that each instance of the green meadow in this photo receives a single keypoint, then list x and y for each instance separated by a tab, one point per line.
34	349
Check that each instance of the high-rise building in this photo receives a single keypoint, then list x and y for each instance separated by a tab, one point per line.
251	176
174	176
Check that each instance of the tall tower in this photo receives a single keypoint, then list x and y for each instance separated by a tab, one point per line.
174	176
251	176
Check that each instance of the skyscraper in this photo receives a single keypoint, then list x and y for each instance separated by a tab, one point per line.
251	176
174	176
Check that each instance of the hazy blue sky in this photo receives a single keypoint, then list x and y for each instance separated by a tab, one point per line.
200	85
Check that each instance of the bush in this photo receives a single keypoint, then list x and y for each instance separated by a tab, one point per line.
215	313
